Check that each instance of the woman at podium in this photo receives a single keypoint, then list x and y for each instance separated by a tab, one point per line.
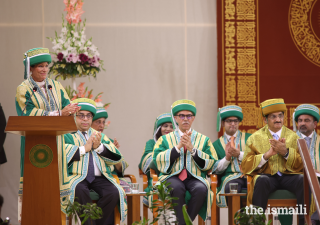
39	95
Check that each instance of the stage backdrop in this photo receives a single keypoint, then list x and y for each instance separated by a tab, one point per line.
268	49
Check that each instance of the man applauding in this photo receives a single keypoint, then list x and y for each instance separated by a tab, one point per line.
183	158
273	158
230	150
307	117
90	157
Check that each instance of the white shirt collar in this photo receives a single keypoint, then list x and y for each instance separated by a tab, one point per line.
180	132
229	137
303	136
41	84
277	133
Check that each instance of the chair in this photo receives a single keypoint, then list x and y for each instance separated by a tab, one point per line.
215	211
95	197
144	185
279	198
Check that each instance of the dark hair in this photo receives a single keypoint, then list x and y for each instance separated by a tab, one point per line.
159	134
1	200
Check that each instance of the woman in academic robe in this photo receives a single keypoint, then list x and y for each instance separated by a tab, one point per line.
162	126
43	102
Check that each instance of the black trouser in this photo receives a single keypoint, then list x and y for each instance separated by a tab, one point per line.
242	183
198	191
266	184
109	197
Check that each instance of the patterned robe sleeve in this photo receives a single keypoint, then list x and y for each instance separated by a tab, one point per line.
294	162
161	156
116	155
208	154
70	146
64	97
147	156
251	158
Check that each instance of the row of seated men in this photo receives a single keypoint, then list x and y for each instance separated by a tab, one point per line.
183	157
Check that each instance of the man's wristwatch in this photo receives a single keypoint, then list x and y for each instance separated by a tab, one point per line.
193	151
286	155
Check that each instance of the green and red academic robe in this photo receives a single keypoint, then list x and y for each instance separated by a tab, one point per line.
205	150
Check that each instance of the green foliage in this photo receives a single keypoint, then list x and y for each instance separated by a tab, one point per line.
72	210
163	203
89	211
243	217
186	216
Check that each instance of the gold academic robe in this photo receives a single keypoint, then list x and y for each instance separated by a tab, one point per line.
258	144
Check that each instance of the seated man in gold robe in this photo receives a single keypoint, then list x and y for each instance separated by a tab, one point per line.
272	158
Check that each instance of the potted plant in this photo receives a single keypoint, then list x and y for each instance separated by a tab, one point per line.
89	211
163	204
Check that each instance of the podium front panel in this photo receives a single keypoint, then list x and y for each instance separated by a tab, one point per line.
41	191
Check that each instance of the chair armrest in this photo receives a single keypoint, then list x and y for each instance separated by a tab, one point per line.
214	183
249	180
154	176
132	178
144	179
117	178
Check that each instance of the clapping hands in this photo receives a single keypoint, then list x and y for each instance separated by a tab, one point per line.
279	146
231	150
185	141
93	142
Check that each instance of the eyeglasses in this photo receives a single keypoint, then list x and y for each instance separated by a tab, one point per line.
232	121
273	117
182	116
82	116
99	122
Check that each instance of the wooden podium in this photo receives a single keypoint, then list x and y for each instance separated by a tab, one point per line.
41	189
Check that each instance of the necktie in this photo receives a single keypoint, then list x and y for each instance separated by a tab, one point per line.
183	174
308	140
232	141
276	137
90	175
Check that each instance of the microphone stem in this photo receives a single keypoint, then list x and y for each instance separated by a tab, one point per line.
55	101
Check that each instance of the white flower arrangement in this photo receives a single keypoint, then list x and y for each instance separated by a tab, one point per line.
75	55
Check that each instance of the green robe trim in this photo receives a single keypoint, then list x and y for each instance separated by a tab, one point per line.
145	161
205	150
233	170
78	169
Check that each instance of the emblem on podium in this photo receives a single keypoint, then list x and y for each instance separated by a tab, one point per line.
41	156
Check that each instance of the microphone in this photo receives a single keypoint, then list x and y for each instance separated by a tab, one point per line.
34	91
50	87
